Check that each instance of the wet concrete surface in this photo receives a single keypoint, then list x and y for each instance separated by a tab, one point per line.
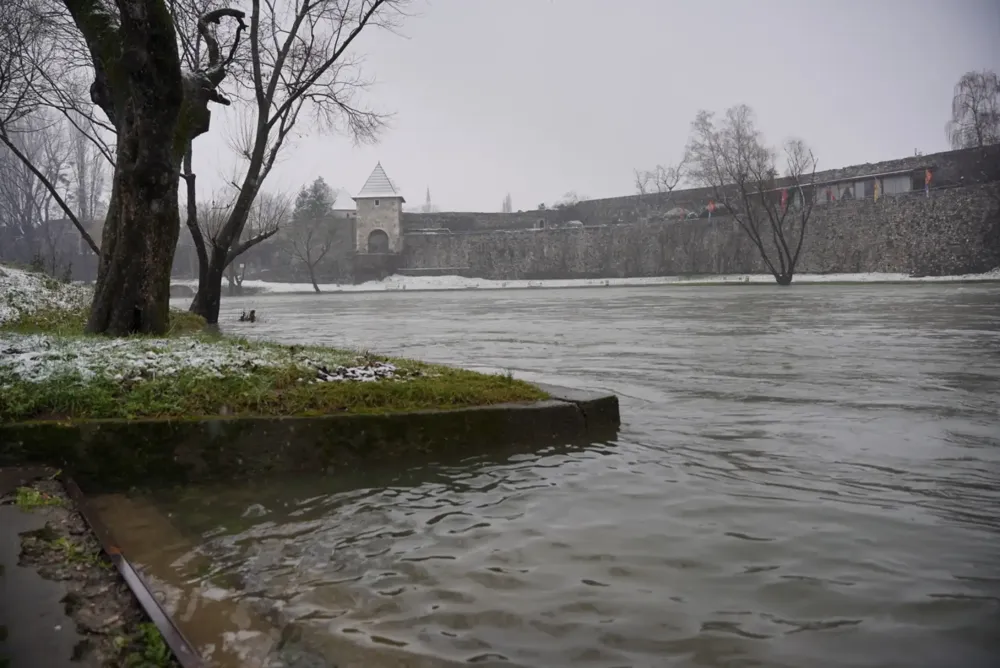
35	629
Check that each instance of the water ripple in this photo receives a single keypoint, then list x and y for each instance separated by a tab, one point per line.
804	477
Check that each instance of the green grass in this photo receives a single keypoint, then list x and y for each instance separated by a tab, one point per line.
150	650
27	498
71	322
74	553
266	391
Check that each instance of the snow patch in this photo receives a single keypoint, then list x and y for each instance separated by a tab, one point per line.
36	358
364	374
402	283
24	292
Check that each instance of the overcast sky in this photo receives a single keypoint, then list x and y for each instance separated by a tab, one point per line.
541	97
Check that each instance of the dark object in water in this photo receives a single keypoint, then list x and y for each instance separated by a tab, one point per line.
248	318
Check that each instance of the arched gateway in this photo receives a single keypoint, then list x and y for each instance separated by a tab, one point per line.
378	242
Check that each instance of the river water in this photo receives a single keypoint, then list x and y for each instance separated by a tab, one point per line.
804	477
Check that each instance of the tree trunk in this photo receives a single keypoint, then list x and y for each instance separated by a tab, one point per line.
312	277
132	293
139	86
209	295
783	279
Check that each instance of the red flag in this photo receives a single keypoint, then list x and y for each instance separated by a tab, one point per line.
784	198
927	177
711	207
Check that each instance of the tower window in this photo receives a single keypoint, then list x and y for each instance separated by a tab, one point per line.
376	202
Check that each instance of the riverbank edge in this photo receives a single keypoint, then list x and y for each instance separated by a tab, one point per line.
308	411
74	574
113	455
257	291
44	320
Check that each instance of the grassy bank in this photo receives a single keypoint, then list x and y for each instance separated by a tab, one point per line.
50	370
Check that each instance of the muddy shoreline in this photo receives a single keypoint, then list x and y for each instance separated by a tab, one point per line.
112	628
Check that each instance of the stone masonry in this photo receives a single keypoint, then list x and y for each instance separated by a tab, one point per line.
954	231
383	216
379	210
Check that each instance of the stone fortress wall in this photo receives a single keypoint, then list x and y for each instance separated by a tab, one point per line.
954	231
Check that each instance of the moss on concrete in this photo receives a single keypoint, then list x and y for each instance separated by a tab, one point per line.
120	454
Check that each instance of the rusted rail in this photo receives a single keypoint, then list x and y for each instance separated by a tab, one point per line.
178	644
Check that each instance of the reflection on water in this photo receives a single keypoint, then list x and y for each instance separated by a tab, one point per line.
805	477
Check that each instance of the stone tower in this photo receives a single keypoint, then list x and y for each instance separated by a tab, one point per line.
378	226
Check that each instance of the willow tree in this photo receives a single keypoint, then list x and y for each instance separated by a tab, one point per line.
975	111
156	110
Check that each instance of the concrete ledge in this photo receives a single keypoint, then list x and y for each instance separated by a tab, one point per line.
112	455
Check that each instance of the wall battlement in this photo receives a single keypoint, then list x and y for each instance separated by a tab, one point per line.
954	231
949	168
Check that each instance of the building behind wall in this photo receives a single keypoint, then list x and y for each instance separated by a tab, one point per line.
378	238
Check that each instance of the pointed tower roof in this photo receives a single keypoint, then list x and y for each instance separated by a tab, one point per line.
379	185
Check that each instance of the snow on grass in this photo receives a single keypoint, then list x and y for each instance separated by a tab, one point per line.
35	358
402	283
38	358
24	292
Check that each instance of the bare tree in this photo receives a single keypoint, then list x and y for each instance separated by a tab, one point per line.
88	172
270	212
156	110
28	201
568	200
54	159
311	234
25	49
729	156
662	179
975	111
300	64
20	196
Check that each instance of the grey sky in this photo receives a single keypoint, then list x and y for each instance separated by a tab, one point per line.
540	97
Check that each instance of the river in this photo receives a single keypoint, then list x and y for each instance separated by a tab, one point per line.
807	476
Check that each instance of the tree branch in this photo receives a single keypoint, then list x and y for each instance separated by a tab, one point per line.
216	70
52	190
250	243
192	210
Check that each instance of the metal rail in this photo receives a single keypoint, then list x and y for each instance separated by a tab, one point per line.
178	644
